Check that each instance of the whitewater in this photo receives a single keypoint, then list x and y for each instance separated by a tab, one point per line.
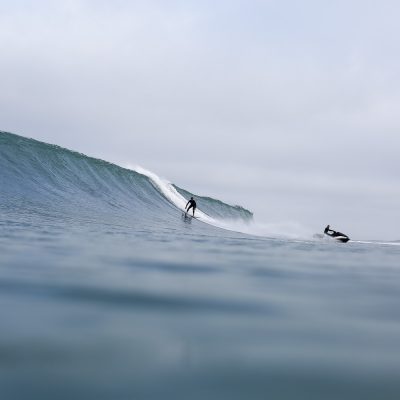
108	291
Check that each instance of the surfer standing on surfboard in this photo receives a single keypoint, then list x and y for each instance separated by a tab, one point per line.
192	204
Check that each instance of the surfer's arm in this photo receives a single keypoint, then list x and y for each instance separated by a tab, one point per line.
187	204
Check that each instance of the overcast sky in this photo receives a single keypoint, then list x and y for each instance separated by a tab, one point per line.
289	108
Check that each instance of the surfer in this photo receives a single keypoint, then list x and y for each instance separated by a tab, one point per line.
192	204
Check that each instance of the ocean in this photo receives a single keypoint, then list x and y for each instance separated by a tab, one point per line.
107	291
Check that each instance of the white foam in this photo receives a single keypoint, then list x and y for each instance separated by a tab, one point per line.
168	190
281	230
376	242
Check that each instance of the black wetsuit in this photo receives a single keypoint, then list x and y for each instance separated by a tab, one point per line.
192	204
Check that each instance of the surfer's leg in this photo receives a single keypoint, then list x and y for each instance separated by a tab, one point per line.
194	209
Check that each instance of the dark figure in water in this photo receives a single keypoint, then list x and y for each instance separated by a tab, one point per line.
329	231
335	234
192	204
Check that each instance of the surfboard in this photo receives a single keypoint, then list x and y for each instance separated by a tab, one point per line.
191	216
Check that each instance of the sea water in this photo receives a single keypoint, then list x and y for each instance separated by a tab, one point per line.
108	292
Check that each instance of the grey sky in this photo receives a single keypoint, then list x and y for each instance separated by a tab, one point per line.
289	108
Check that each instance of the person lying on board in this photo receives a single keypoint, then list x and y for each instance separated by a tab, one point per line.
192	204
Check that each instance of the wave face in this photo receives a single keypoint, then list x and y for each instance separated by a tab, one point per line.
56	181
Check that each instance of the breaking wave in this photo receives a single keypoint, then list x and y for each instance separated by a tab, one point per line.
54	181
